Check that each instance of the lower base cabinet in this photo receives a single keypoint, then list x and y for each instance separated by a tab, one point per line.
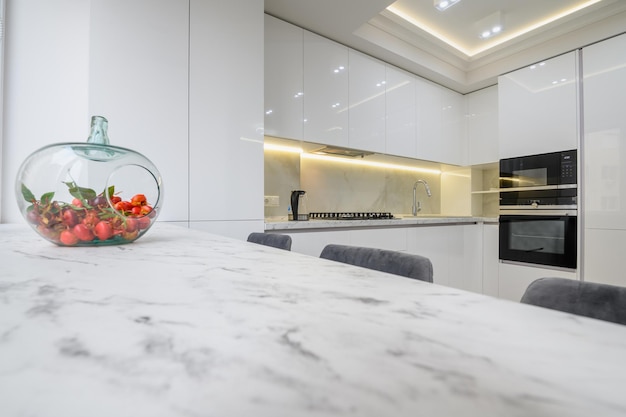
604	255
456	251
514	279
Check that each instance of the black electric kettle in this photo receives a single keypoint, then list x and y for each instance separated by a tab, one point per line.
298	205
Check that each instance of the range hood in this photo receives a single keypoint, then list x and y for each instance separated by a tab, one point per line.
338	151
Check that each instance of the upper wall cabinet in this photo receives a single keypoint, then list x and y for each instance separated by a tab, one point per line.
538	108
326	91
441	128
367	103
284	92
482	126
401	115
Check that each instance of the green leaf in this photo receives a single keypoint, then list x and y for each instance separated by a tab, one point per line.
111	191
27	194
47	198
82	193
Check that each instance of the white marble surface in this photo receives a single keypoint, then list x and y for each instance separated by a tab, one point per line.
398	221
183	323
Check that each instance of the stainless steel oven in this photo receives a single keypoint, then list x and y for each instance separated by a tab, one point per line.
538	209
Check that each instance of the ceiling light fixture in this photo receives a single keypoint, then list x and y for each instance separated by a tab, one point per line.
442	5
490	25
505	37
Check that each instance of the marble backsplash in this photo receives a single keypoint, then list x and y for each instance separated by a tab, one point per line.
338	185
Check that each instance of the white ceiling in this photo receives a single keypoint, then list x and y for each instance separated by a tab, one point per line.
446	47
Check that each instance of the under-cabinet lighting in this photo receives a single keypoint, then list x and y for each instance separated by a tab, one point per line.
372	164
282	148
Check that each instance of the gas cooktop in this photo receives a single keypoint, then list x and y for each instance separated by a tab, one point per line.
350	216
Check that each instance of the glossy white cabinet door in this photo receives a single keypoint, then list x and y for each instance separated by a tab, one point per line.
284	92
465	251
138	80
428	106
326	89
604	256
441	127
490	259
482	119
454	129
538	108
226	110
604	83
400	102
367	103
514	279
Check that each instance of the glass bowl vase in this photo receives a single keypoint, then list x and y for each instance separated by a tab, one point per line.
90	193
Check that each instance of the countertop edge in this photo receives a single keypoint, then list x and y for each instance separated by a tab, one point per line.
398	222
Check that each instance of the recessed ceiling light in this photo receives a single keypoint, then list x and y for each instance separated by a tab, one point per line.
442	5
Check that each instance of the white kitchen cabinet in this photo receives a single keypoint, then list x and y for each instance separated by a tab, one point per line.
226	111
538	107
400	124
604	256
284	90
441	126
482	126
138	80
490	259
312	242
366	108
455	252
513	279
326	91
604	159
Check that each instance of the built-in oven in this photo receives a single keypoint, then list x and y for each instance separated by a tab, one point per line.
541	237
538	209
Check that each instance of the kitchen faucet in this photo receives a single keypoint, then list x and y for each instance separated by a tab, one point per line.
417	206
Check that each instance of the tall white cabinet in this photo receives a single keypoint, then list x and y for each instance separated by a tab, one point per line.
226	116
138	77
538	107
604	145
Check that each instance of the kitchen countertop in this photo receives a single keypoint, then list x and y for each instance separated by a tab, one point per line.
186	323
403	221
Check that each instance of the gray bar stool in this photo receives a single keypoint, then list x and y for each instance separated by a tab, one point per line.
393	262
589	299
271	239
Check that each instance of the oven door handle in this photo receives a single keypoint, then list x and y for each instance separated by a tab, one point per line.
538	212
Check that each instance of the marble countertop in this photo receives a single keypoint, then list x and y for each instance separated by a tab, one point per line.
185	323
402	221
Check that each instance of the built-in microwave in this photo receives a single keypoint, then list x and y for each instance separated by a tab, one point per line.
555	169
539	181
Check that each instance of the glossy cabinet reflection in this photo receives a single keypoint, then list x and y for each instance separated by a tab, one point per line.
400	103
441	131
604	139
284	91
482	128
538	107
366	108
326	91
